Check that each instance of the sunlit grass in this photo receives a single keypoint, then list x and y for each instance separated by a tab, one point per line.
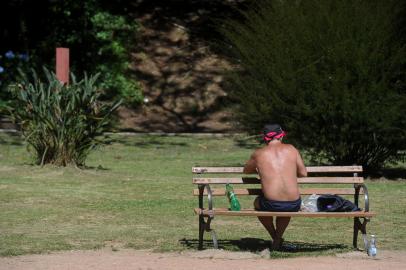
137	193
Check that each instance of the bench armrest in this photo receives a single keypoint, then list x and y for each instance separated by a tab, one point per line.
209	196
366	197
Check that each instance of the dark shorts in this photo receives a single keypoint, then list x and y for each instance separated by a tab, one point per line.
278	206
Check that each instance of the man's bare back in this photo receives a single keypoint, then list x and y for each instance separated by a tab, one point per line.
278	166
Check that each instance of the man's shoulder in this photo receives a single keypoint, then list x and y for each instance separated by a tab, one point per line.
290	147
259	151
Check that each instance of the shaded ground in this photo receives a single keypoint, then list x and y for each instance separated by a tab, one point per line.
208	259
181	76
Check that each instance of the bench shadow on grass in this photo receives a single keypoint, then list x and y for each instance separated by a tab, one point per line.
257	245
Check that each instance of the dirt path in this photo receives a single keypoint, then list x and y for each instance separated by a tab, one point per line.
209	259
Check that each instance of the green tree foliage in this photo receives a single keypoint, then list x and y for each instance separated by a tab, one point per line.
331	72
60	122
99	34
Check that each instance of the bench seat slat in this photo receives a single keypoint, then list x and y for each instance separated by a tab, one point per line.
310	169
303	191
252	212
254	180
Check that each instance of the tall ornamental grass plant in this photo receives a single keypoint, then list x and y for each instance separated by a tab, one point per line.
60	122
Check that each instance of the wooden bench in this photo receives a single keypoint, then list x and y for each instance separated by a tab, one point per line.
210	184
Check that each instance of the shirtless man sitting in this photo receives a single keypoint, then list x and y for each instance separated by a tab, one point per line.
278	166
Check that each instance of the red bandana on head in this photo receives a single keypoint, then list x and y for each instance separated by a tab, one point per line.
274	135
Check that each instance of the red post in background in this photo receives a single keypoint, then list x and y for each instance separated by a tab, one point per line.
62	65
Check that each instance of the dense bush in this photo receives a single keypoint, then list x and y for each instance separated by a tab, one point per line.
331	72
100	35
60	122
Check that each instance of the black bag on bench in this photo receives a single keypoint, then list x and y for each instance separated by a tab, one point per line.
335	203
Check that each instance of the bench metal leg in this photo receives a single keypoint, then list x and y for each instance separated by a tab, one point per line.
205	226
201	231
359	226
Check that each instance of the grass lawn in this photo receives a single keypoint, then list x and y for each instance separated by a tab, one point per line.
137	193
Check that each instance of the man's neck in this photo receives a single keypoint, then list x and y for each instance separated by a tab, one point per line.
274	142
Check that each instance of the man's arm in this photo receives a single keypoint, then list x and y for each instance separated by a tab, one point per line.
301	169
250	165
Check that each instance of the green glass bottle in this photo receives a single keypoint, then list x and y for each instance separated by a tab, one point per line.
234	203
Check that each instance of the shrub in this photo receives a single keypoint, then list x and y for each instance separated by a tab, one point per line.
60	122
10	62
331	72
113	36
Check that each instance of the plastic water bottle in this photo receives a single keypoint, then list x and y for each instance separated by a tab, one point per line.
372	247
234	203
366	242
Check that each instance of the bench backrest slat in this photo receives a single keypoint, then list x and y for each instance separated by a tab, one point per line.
254	180
303	191
310	169
320	180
